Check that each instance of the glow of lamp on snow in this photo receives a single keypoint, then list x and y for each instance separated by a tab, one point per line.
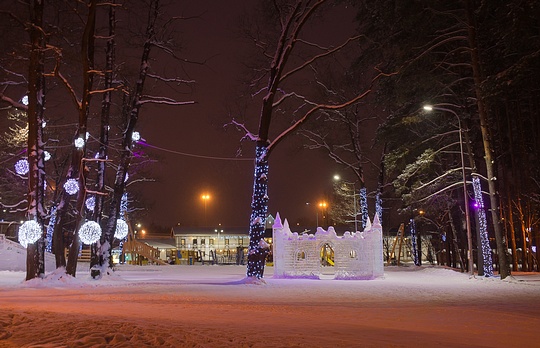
90	232
135	136
46	155
90	203
121	229
71	186
50	229
24	100
22	166
482	221
79	143
29	232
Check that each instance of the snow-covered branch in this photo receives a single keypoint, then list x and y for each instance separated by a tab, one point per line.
164	79
319	56
321	107
163	100
12	102
247	133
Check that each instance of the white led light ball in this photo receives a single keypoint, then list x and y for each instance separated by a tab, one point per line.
46	155
22	167
135	136
79	143
121	229
90	232
24	100
90	203
29	232
71	186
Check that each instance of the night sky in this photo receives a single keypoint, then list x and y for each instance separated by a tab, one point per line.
297	176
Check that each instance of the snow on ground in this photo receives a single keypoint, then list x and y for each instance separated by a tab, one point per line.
212	306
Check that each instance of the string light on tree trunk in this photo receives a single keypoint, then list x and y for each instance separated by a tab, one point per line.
415	251
256	253
50	229
29	232
90	232
378	206
482	221
363	206
24	100
46	155
71	186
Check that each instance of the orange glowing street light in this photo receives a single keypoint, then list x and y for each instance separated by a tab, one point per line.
205	197
322	205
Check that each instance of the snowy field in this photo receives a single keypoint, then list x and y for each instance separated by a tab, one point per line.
212	306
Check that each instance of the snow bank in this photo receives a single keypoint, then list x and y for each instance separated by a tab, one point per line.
216	306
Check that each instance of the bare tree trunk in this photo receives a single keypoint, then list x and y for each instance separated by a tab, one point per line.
104	137
88	79
105	252
35	262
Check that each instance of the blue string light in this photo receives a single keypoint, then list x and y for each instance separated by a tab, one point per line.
415	250
378	206
50	229
484	239
259	205
364	207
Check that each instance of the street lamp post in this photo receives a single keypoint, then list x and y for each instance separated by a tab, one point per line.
338	178
464	177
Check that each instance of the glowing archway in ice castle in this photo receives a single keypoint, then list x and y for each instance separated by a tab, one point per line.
354	256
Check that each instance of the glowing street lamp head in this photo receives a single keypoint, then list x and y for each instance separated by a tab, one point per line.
337	177
428	107
323	205
205	197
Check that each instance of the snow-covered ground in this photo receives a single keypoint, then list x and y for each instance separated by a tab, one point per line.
212	306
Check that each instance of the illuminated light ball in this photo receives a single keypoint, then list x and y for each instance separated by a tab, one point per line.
24	100
22	166
29	232
43	124
135	136
121	229
46	155
79	143
71	186
90	232
90	203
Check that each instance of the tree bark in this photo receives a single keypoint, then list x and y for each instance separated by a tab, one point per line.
504	269
35	263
